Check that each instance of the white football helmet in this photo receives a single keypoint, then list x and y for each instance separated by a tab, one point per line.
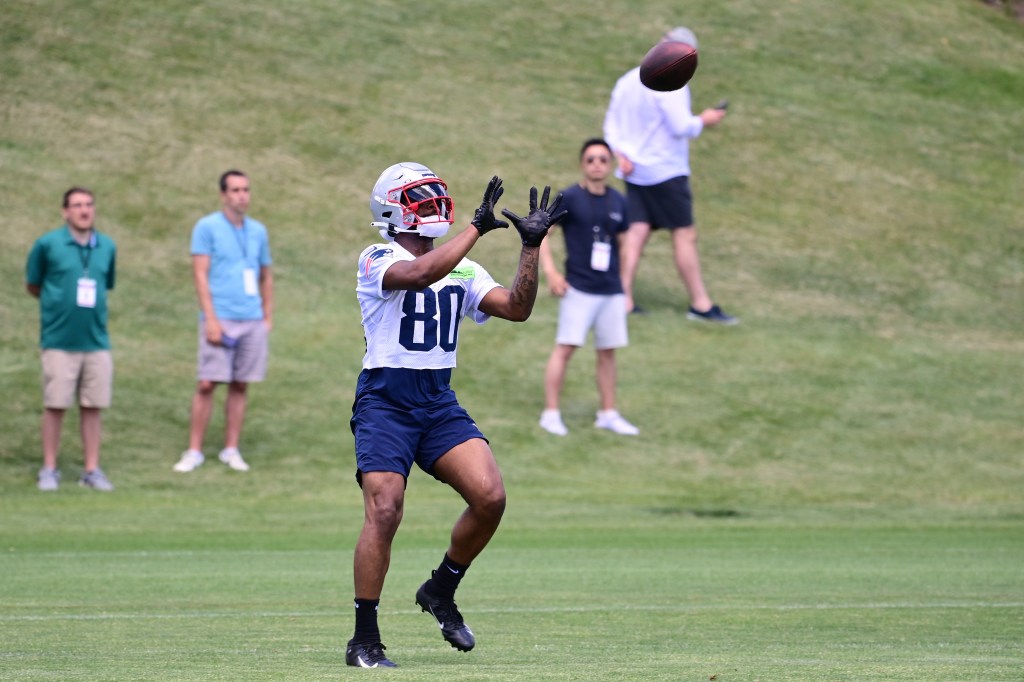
409	197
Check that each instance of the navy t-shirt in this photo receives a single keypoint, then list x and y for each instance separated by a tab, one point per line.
591	218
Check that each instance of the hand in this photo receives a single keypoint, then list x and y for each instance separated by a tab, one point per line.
557	284
213	331
712	117
624	163
484	219
534	227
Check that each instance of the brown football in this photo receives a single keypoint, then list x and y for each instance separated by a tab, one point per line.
669	65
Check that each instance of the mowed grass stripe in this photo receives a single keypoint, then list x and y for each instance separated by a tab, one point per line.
683	608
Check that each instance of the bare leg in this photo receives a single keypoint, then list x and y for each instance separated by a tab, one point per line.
202	407
383	505
234	413
684	242
470	469
90	426
606	378
632	248
554	374
53	419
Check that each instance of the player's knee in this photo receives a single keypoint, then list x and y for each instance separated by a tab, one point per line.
492	503
385	516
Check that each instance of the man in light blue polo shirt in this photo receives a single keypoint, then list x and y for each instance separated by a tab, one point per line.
231	268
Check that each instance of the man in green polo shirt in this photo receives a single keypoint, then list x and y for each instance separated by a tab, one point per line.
70	271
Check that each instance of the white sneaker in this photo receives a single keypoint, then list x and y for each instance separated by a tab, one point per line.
233	458
49	479
96	479
190	460
551	421
613	421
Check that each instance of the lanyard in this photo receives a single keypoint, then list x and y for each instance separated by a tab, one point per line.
242	237
85	252
597	208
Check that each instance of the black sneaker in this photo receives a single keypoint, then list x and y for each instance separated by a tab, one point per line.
712	314
453	628
367	655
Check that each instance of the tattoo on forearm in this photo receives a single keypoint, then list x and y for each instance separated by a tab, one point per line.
524	288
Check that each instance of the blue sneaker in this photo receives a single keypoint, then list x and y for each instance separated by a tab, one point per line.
712	314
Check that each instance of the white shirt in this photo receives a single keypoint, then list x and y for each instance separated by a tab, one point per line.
652	128
416	329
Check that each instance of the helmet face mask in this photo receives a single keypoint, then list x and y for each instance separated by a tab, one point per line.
410	198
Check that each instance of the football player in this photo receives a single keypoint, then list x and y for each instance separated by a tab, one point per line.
413	297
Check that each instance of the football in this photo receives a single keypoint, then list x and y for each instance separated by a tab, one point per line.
669	65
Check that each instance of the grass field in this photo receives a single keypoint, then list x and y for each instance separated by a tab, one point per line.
830	491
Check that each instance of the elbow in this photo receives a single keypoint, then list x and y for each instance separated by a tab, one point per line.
520	314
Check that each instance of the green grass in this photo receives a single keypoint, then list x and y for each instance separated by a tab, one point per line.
830	491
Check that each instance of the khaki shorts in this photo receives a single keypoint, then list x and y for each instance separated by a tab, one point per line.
578	313
89	375
245	363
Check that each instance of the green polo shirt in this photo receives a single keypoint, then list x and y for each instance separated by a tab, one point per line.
55	264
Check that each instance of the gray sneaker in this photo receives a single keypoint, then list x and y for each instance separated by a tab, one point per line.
96	480
49	479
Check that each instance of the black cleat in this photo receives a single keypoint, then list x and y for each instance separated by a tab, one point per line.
453	628
712	314
367	655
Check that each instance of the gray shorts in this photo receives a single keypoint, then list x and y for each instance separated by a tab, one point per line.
578	313
66	374
246	362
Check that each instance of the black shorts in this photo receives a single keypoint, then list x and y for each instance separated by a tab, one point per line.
665	205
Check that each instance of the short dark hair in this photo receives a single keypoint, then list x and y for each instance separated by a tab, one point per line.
76	190
227	174
591	142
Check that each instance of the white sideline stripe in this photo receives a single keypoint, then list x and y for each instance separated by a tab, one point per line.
581	609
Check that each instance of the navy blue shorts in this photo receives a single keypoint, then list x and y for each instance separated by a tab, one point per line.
401	416
668	204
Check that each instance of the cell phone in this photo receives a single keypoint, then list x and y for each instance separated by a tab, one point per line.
724	104
228	341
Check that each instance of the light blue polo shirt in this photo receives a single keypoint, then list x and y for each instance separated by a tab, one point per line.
231	250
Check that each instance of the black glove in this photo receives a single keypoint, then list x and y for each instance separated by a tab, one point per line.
534	227
483	219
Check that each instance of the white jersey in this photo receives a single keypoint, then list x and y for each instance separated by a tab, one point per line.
416	329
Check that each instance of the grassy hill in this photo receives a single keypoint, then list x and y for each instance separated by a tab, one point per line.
859	210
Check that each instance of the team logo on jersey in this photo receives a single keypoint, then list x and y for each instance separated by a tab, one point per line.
466	272
374	255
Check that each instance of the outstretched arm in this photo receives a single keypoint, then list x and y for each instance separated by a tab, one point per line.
516	302
430	267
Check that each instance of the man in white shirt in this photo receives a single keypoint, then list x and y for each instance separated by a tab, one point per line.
649	133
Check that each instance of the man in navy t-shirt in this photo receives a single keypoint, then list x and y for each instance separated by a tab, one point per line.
591	290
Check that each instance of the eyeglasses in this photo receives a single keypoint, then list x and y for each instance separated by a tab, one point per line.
597	159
